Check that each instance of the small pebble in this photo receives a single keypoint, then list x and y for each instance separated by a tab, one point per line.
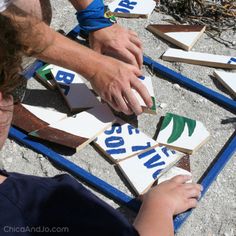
163	105
176	86
9	160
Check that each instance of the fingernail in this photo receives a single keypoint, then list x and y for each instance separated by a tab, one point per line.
150	104
201	188
199	197
188	176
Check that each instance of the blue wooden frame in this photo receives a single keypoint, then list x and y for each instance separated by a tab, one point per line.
206	180
75	170
112	192
176	77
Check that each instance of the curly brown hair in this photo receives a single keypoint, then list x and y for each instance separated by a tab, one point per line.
10	57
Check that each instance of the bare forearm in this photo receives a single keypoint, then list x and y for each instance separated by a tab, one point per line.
158	221
42	42
71	55
80	4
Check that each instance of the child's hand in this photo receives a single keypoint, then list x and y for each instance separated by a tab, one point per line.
175	195
162	202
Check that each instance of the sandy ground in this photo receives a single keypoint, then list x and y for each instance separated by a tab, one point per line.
216	212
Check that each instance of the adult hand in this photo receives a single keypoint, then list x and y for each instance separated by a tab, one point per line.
114	81
118	42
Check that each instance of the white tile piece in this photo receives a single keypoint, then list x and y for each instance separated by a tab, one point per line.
228	80
134	8
74	90
123	140
183	36
142	170
186	38
87	124
147	82
172	172
184	142
48	115
199	58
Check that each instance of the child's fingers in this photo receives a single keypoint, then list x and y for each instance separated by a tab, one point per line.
192	185
192	203
181	179
193	193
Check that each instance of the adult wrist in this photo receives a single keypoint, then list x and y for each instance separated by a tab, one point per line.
96	16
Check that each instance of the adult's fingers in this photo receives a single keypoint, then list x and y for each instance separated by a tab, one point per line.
135	40
114	105
127	56
131	32
122	105
133	101
142	90
137	53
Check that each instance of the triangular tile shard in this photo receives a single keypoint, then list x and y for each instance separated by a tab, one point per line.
182	167
147	82
122	141
29	118
228	80
144	169
79	130
72	87
181	133
199	58
45	76
132	9
183	36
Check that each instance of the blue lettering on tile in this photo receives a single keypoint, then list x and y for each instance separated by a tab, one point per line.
156	173
65	77
113	142
115	127
232	60
121	10
131	128
166	151
153	162
127	4
66	88
141	77
140	148
147	153
156	159
116	151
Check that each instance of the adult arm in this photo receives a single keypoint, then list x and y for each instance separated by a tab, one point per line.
110	78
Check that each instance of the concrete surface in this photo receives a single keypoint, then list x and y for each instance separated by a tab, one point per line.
216	213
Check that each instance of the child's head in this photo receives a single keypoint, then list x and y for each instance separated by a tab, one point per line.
10	77
10	57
